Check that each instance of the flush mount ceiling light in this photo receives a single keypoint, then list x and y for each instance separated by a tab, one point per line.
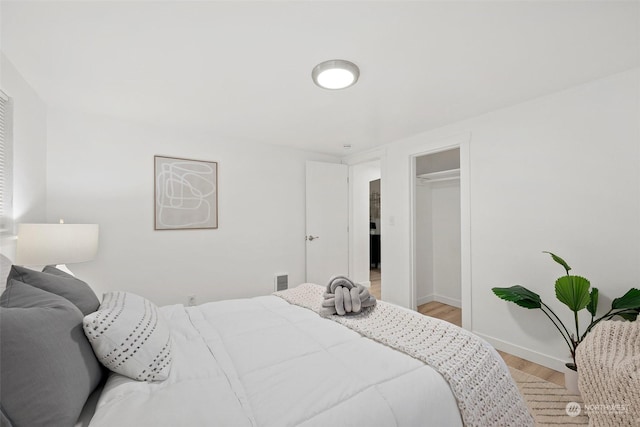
335	74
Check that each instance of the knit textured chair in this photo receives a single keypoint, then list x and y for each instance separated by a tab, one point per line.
609	374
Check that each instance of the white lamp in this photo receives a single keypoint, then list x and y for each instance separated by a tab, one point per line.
335	74
46	244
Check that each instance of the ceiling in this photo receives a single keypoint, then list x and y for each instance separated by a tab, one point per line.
241	71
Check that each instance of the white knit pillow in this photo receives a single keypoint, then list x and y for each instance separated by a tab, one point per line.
129	336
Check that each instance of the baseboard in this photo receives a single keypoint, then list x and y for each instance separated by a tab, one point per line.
439	298
425	299
525	353
449	301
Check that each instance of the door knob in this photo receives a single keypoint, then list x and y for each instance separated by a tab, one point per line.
310	237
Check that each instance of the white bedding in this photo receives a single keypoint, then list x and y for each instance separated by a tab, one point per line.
265	362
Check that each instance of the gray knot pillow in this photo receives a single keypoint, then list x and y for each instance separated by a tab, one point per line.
343	296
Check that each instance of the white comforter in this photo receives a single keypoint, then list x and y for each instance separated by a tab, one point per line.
265	362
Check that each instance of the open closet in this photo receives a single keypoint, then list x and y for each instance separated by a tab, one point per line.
437	228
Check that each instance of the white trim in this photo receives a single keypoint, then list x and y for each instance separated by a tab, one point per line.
525	353
425	299
449	301
413	182
438	298
366	284
465	232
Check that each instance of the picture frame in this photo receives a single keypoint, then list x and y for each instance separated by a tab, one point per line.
185	194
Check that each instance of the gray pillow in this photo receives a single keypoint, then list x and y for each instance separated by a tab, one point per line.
64	285
48	368
52	269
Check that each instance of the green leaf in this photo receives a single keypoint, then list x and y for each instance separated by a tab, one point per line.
559	260
629	300
629	316
593	303
573	291
519	295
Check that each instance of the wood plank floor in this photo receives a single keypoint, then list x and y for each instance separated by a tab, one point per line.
442	311
454	315
374	277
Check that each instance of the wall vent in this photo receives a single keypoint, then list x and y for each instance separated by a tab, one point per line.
282	282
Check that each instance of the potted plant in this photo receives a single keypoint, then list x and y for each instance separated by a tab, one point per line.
576	293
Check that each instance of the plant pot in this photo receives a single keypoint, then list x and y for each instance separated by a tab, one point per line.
571	379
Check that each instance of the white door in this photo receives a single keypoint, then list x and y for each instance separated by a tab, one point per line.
327	237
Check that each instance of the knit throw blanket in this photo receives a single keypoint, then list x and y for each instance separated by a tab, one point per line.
481	383
608	362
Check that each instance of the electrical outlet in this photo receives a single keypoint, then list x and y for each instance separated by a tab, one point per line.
191	300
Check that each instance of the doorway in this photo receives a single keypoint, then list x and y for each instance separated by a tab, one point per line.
438	249
375	259
363	217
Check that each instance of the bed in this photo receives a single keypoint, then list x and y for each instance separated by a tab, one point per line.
273	361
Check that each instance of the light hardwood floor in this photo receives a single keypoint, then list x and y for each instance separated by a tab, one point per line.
454	315
374	277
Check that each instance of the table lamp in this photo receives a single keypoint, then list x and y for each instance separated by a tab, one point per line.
52	244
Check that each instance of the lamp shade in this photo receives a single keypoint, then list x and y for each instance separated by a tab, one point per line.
44	244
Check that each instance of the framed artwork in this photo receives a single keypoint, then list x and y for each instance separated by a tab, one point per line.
186	194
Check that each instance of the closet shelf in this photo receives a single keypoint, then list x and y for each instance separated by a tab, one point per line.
440	176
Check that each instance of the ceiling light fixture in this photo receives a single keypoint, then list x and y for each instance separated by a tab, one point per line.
335	74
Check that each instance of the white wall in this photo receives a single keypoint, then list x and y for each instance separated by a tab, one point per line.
29	150
557	173
446	241
437	243
424	244
360	176
100	170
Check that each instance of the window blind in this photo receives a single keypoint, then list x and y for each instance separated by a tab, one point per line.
6	165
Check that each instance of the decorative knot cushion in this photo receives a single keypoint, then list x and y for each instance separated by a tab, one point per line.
130	337
344	296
